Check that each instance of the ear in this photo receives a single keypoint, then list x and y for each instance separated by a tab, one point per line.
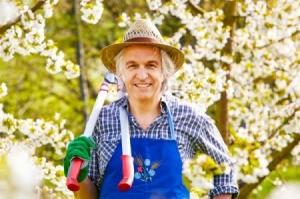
120	76
165	77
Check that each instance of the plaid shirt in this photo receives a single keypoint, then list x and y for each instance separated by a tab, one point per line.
194	132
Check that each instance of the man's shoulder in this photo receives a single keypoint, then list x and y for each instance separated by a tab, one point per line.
114	106
120	102
177	103
182	107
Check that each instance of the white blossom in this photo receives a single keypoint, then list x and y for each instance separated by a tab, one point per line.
3	90
154	4
125	20
193	195
286	190
29	38
296	154
91	12
72	70
8	123
27	176
48	9
8	11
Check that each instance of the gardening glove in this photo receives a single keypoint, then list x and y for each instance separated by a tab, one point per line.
79	147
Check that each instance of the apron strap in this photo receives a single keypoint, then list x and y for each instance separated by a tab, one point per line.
125	136
124	121
171	124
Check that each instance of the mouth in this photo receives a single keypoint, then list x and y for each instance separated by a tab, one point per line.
143	85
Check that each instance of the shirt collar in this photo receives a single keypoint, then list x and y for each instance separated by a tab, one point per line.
123	102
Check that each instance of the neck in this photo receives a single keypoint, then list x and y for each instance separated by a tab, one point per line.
144	106
145	111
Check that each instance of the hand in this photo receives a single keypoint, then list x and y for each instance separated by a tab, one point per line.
226	196
79	147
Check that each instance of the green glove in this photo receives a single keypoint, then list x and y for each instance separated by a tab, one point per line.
79	147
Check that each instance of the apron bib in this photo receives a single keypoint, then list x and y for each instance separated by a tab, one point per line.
157	170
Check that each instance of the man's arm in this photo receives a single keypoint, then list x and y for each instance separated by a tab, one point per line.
211	143
227	196
87	190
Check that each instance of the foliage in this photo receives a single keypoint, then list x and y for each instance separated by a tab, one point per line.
199	173
31	143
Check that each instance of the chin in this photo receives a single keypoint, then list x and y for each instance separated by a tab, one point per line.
142	97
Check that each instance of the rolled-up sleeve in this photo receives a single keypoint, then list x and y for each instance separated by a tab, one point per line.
211	142
223	184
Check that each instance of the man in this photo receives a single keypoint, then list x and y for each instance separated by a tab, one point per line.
163	129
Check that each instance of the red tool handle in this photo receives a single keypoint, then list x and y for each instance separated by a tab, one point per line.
72	182
127	168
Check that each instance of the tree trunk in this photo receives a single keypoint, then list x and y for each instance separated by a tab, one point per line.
80	60
230	10
206	5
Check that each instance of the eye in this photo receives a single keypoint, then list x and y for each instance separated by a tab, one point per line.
130	66
152	65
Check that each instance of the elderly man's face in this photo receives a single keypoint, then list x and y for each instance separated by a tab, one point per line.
142	72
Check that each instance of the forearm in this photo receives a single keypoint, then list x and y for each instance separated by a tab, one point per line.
87	190
225	185
226	196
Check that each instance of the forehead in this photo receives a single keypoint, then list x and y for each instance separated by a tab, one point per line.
137	52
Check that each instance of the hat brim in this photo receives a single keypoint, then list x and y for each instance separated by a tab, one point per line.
108	53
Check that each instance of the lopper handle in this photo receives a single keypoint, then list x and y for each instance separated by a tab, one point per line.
127	168
72	182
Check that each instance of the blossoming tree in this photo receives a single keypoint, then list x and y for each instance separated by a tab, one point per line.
242	63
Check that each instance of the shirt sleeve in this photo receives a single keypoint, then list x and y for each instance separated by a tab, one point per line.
211	142
93	172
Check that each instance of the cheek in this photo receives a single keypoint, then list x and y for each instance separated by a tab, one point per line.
125	78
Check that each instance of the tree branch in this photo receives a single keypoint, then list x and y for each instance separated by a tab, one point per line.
273	133
246	189
240	17
280	40
196	7
10	24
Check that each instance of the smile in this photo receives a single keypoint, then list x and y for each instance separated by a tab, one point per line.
142	85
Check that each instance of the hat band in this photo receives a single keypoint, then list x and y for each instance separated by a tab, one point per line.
143	39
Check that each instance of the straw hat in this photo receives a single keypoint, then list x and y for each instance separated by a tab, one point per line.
141	32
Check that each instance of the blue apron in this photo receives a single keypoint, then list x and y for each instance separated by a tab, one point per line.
157	170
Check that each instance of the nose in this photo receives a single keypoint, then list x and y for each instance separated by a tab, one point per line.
142	73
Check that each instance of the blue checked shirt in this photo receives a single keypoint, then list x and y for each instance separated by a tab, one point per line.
194	133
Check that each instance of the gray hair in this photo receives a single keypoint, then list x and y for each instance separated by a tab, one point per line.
168	67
